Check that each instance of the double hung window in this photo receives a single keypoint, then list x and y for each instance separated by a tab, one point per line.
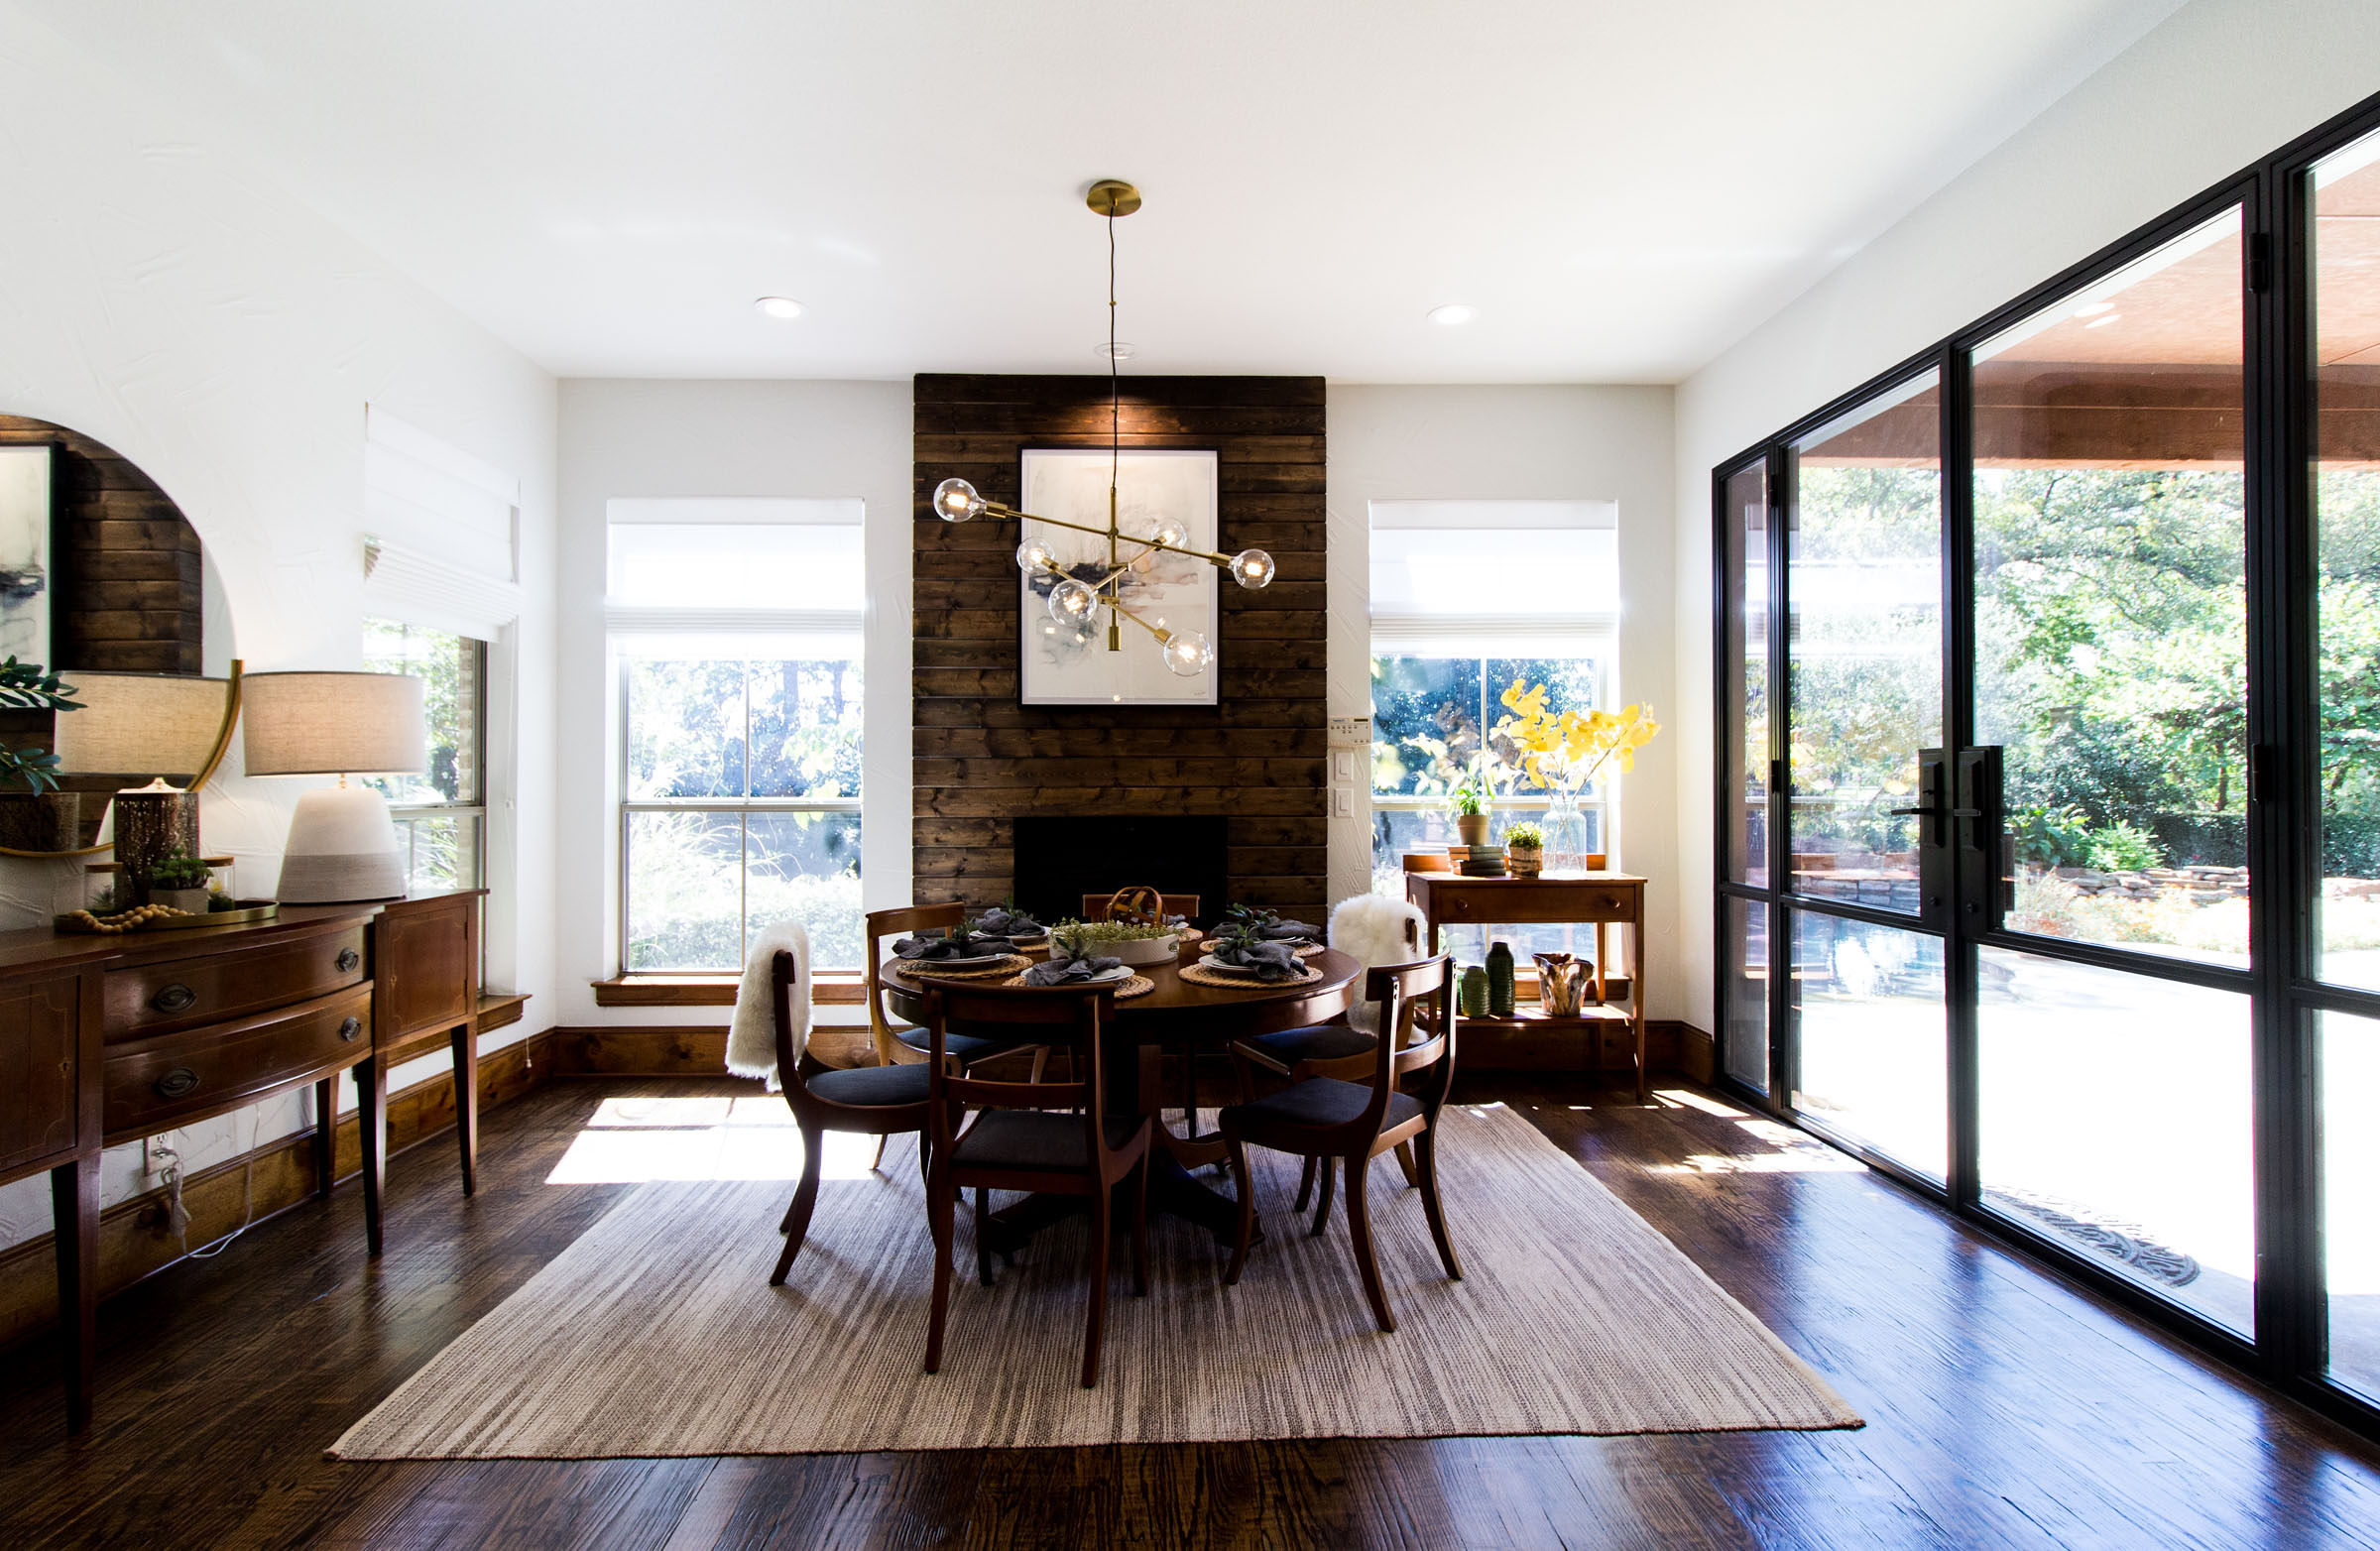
735	640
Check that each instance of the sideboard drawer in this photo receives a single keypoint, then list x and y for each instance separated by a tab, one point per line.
145	999
151	1081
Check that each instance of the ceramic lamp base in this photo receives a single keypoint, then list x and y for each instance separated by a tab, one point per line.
342	849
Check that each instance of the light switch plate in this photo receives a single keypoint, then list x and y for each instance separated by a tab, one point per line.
1342	764
1343	802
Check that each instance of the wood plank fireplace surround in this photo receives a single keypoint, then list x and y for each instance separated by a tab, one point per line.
981	759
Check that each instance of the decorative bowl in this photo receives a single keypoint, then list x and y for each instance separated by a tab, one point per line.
1139	952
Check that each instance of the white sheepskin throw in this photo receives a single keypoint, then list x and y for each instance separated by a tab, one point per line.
1371	928
751	1036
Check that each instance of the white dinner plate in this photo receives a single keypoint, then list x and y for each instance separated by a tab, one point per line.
1216	964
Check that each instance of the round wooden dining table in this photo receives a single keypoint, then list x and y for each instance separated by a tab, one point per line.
1184	1018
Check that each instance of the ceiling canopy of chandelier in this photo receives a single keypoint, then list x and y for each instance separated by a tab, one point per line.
1075	602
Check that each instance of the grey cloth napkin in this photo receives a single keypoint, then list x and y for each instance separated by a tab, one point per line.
1272	962
1285	932
956	947
1000	921
1067	972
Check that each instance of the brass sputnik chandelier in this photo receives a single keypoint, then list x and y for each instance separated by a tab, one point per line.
1075	602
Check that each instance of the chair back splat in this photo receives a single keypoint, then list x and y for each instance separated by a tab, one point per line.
904	923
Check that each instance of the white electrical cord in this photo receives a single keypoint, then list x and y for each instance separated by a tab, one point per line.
256	1128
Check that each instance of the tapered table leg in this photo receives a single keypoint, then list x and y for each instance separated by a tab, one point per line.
74	1208
326	1134
466	1102
371	1106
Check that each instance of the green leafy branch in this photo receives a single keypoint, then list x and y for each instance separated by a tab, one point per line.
26	686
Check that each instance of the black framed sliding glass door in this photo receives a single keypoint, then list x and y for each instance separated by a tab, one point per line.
2049	685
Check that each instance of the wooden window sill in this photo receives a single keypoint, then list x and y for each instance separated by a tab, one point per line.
714	991
499	1008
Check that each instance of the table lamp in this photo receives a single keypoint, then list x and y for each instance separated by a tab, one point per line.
342	846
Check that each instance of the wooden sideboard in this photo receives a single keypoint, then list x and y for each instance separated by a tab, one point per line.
1604	899
109	1040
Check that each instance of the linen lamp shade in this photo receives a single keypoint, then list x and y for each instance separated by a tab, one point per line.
342	845
333	724
140	724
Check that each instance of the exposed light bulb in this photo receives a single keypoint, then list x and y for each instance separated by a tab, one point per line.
1072	603
955	501
779	306
1188	653
1033	557
1173	533
1251	568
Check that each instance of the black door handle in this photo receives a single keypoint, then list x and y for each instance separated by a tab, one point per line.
175	998
175	1083
348	959
351	1028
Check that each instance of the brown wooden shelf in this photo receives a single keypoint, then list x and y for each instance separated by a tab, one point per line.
1528	1018
499	1008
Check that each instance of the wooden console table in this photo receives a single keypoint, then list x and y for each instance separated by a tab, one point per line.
109	1040
1602	899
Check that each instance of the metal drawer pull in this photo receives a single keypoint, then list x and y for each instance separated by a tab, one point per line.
353	1028
348	959
176	997
175	1083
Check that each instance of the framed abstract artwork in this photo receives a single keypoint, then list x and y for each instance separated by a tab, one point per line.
25	479
1065	665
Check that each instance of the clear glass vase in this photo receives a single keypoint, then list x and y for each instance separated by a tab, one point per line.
1567	840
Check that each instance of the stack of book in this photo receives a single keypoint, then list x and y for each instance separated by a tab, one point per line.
1484	862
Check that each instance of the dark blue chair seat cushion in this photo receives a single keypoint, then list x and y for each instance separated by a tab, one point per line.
967	1048
1318	1101
1324	1042
871	1085
1035	1140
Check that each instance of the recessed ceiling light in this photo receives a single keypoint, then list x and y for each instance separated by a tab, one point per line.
2093	308
1452	313
2102	322
1121	350
779	306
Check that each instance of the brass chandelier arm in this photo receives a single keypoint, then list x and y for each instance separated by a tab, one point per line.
1163	635
1211	556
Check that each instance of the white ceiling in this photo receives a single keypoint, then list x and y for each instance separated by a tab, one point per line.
1621	188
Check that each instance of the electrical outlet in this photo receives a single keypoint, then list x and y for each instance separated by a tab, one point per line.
156	1157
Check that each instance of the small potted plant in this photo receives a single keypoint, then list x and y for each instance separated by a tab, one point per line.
1524	849
180	883
1469	804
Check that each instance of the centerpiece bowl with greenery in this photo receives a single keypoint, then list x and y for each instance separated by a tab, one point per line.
1135	944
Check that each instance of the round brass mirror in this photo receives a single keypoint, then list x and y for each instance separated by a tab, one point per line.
103	587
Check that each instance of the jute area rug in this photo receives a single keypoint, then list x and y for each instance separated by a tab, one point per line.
656	1332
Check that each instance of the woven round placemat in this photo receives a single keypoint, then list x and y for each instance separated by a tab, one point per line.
924	969
1130	986
1200	975
1306	952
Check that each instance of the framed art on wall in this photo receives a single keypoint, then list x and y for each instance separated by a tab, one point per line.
25	480
1064	665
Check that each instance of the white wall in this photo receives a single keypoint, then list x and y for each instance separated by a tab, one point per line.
1523	443
819	440
2220	84
159	295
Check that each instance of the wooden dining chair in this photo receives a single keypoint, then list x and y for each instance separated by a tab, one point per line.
1327	1117
1048	1138
873	1101
904	1044
1334	1049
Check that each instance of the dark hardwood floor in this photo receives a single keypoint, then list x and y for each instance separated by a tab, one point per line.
2006	1408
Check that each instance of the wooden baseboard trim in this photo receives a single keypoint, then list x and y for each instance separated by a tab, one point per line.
657	1050
134	1242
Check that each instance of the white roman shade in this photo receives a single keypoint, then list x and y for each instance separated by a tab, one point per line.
736	577
442	550
1492	578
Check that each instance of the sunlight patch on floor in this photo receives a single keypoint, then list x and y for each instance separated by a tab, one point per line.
1822	1161
633	1140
